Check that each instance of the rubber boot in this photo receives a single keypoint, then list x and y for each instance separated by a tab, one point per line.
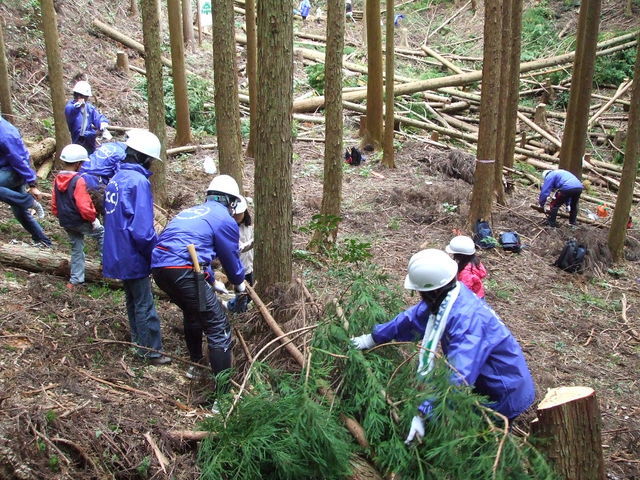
220	361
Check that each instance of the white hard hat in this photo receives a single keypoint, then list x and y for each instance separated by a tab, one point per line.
545	173
83	88
429	270
241	207
144	141
225	184
461	244
74	153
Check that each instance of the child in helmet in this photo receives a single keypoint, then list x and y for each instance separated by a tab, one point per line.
470	268
72	204
245	225
83	118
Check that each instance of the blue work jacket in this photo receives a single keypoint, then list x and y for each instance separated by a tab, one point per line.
104	162
74	116
129	236
478	345
558	180
13	153
214	233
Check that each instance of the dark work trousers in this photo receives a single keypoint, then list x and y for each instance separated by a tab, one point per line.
180	285
571	197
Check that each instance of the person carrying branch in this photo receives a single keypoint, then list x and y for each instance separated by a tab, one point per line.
211	228
477	344
83	118
568	190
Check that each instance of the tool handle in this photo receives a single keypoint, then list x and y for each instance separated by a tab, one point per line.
194	257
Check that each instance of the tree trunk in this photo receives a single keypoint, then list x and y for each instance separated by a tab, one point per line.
575	132
225	78
332	180
482	196
180	94
187	24
388	159
618	230
373	135
56	80
133	8
274	152
252	68
568	427
5	82
155	94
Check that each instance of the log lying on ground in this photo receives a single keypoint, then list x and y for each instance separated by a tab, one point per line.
569	428
42	150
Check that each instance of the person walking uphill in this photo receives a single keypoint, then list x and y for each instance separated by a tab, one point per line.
471	271
129	238
569	188
477	344
15	175
71	203
83	118
213	231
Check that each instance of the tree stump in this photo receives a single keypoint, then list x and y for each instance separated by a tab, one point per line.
404	38
569	429
540	116
122	62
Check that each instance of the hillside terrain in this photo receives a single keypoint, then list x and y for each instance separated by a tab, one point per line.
75	402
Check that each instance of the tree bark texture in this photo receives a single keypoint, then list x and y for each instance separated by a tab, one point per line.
618	230
569	429
5	82
274	152
373	135
388	157
56	80
41	151
252	73
482	195
187	24
155	94
225	77
575	130
180	93
133	8
332	180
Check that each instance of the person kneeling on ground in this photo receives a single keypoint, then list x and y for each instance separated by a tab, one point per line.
475	341
71	203
471	271
569	188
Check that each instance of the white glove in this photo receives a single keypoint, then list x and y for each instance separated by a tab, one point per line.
239	288
416	431
219	287
96	224
363	342
79	103
106	135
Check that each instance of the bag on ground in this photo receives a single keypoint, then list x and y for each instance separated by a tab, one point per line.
571	257
483	236
510	241
353	157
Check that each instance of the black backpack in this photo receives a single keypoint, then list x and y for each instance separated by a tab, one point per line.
353	157
483	236
571	258
510	241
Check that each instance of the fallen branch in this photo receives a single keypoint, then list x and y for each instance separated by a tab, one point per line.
162	460
621	90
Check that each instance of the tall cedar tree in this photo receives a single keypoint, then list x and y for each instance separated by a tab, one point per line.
133	8
373	133
56	81
575	126
482	196
155	93
388	159
225	78
332	183
618	230
187	24
274	150
180	93
252	69
5	82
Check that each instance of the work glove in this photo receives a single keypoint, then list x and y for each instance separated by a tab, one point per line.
96	224
218	286
363	342
106	134
79	103
238	304
416	431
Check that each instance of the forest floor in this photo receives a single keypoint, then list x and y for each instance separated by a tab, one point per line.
75	401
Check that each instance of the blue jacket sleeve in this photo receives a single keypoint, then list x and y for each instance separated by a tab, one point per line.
141	226
227	250
466	351
18	156
407	326
547	186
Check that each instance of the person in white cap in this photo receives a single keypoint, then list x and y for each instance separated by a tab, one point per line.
83	118
76	212
471	271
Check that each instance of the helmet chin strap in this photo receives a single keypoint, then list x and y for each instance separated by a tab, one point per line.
435	297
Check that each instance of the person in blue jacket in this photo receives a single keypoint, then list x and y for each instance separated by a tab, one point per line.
83	118
16	175
303	10
211	228
569	188
474	340
129	238
104	162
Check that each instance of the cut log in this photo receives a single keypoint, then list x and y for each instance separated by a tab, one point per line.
45	169
42	150
122	62
569	429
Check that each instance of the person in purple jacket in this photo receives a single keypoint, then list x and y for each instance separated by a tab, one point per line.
211	228
83	118
474	340
18	187
129	238
569	188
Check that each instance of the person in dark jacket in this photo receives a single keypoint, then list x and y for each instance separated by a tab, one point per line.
475	341
211	228
71	203
83	118
569	188
129	238
15	175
